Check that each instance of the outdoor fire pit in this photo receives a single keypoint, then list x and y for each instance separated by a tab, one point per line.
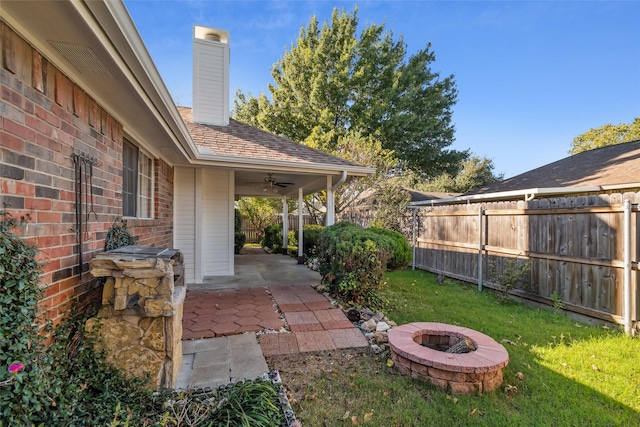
450	357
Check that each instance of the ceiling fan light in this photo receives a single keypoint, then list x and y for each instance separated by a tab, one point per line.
265	189
275	190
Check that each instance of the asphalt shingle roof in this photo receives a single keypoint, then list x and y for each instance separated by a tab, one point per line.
244	141
613	165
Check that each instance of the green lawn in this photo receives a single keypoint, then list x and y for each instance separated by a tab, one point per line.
572	374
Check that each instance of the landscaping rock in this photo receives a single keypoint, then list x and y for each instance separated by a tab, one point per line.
366	314
369	325
382	326
378	317
381	337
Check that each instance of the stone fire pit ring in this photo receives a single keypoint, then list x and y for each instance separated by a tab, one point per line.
474	372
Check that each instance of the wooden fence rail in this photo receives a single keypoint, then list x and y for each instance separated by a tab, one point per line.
254	235
575	247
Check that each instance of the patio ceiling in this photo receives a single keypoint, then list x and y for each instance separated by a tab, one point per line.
252	183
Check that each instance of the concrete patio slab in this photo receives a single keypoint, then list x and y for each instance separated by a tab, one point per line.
214	362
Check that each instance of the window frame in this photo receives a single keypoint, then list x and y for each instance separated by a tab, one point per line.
138	182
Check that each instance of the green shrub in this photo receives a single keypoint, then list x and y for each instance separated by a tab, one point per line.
237	223
401	254
27	390
239	240
118	236
311	234
353	261
65	383
272	237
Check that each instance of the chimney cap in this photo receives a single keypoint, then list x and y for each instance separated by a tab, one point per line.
210	34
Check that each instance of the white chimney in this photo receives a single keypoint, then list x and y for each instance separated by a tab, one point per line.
210	76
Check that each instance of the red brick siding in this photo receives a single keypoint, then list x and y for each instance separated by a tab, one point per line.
46	118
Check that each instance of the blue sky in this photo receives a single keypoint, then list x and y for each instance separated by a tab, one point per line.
531	75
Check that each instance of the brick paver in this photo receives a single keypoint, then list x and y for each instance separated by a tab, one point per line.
348	338
209	314
314	341
316	325
273	344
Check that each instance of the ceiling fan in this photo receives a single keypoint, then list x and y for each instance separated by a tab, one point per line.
271	184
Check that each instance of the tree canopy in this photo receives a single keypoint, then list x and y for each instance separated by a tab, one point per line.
474	172
606	135
333	84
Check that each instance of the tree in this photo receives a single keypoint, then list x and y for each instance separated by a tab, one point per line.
606	135
332	84
355	148
392	203
475	172
260	212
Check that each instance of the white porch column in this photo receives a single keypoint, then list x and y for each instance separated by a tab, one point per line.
300	227
285	225
330	217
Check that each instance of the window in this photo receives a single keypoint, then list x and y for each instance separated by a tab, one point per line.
137	185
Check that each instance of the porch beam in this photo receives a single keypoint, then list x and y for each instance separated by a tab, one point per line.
285	225
300	227
330	217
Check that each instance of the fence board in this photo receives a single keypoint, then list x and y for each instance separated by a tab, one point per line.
574	245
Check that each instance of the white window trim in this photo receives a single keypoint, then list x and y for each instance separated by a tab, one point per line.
143	155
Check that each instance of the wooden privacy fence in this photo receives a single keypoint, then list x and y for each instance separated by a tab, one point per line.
254	235
582	250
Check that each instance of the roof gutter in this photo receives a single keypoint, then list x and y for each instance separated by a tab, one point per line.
123	20
259	164
526	194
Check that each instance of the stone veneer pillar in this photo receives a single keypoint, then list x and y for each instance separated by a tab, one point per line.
139	327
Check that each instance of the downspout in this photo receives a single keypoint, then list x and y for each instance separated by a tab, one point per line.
335	187
341	181
331	207
626	281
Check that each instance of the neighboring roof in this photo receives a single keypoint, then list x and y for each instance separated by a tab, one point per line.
245	141
419	196
612	166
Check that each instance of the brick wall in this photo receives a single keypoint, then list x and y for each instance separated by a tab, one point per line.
45	119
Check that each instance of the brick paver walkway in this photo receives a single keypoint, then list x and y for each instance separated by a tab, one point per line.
314	322
224	312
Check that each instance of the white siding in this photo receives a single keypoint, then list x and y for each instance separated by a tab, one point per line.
210	82
217	222
184	219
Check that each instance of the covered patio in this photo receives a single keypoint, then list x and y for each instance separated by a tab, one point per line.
269	307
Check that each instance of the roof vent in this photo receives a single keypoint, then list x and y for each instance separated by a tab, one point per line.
83	58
